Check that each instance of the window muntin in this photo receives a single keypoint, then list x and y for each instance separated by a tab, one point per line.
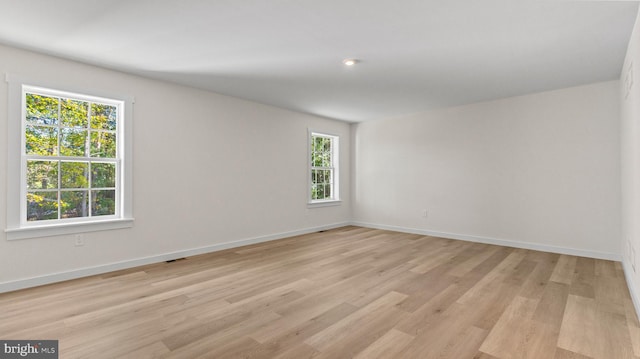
323	168
70	158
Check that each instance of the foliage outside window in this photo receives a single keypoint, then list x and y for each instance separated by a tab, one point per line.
70	159
324	173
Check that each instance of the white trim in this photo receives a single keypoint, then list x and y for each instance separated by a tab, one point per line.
84	272
327	203
631	287
14	146
68	228
17	227
496	241
89	271
335	157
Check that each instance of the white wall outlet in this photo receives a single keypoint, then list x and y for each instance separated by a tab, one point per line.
424	213
633	259
79	240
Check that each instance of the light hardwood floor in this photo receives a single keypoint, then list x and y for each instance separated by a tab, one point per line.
348	292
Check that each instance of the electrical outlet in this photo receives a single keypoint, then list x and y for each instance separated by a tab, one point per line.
633	259
424	213
79	240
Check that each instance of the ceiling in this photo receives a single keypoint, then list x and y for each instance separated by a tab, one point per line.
415	55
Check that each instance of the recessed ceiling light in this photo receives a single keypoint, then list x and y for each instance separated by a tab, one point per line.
350	62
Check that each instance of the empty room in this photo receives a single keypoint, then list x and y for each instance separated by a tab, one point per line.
319	179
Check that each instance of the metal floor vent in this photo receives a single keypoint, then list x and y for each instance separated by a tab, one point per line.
175	260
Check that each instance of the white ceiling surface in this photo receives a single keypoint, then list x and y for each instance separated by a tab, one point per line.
415	55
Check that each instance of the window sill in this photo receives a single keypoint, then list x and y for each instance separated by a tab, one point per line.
67	228
318	204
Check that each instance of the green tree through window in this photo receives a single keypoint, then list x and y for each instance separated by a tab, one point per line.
70	156
324	155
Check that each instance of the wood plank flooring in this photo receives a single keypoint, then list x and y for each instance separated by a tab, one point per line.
346	293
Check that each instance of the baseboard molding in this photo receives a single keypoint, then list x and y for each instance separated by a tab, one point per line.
101	269
626	268
500	242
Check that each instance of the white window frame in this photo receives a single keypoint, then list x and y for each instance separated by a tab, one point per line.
335	157
17	225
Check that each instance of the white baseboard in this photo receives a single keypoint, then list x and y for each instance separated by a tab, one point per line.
632	287
85	272
101	269
500	242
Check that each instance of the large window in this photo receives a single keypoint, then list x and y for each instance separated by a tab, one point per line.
323	168
70	156
70	166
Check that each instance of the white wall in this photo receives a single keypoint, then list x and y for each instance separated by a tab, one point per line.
630	144
208	169
538	171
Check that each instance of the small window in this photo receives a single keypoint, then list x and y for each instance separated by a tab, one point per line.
323	168
69	166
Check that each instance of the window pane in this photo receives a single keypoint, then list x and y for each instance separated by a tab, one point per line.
42	205
314	191
69	130
327	145
327	191
73	142
320	176
104	203
103	117
42	110
318	144
41	141
326	159
42	174
103	175
103	144
74	113
74	204
74	174
320	191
